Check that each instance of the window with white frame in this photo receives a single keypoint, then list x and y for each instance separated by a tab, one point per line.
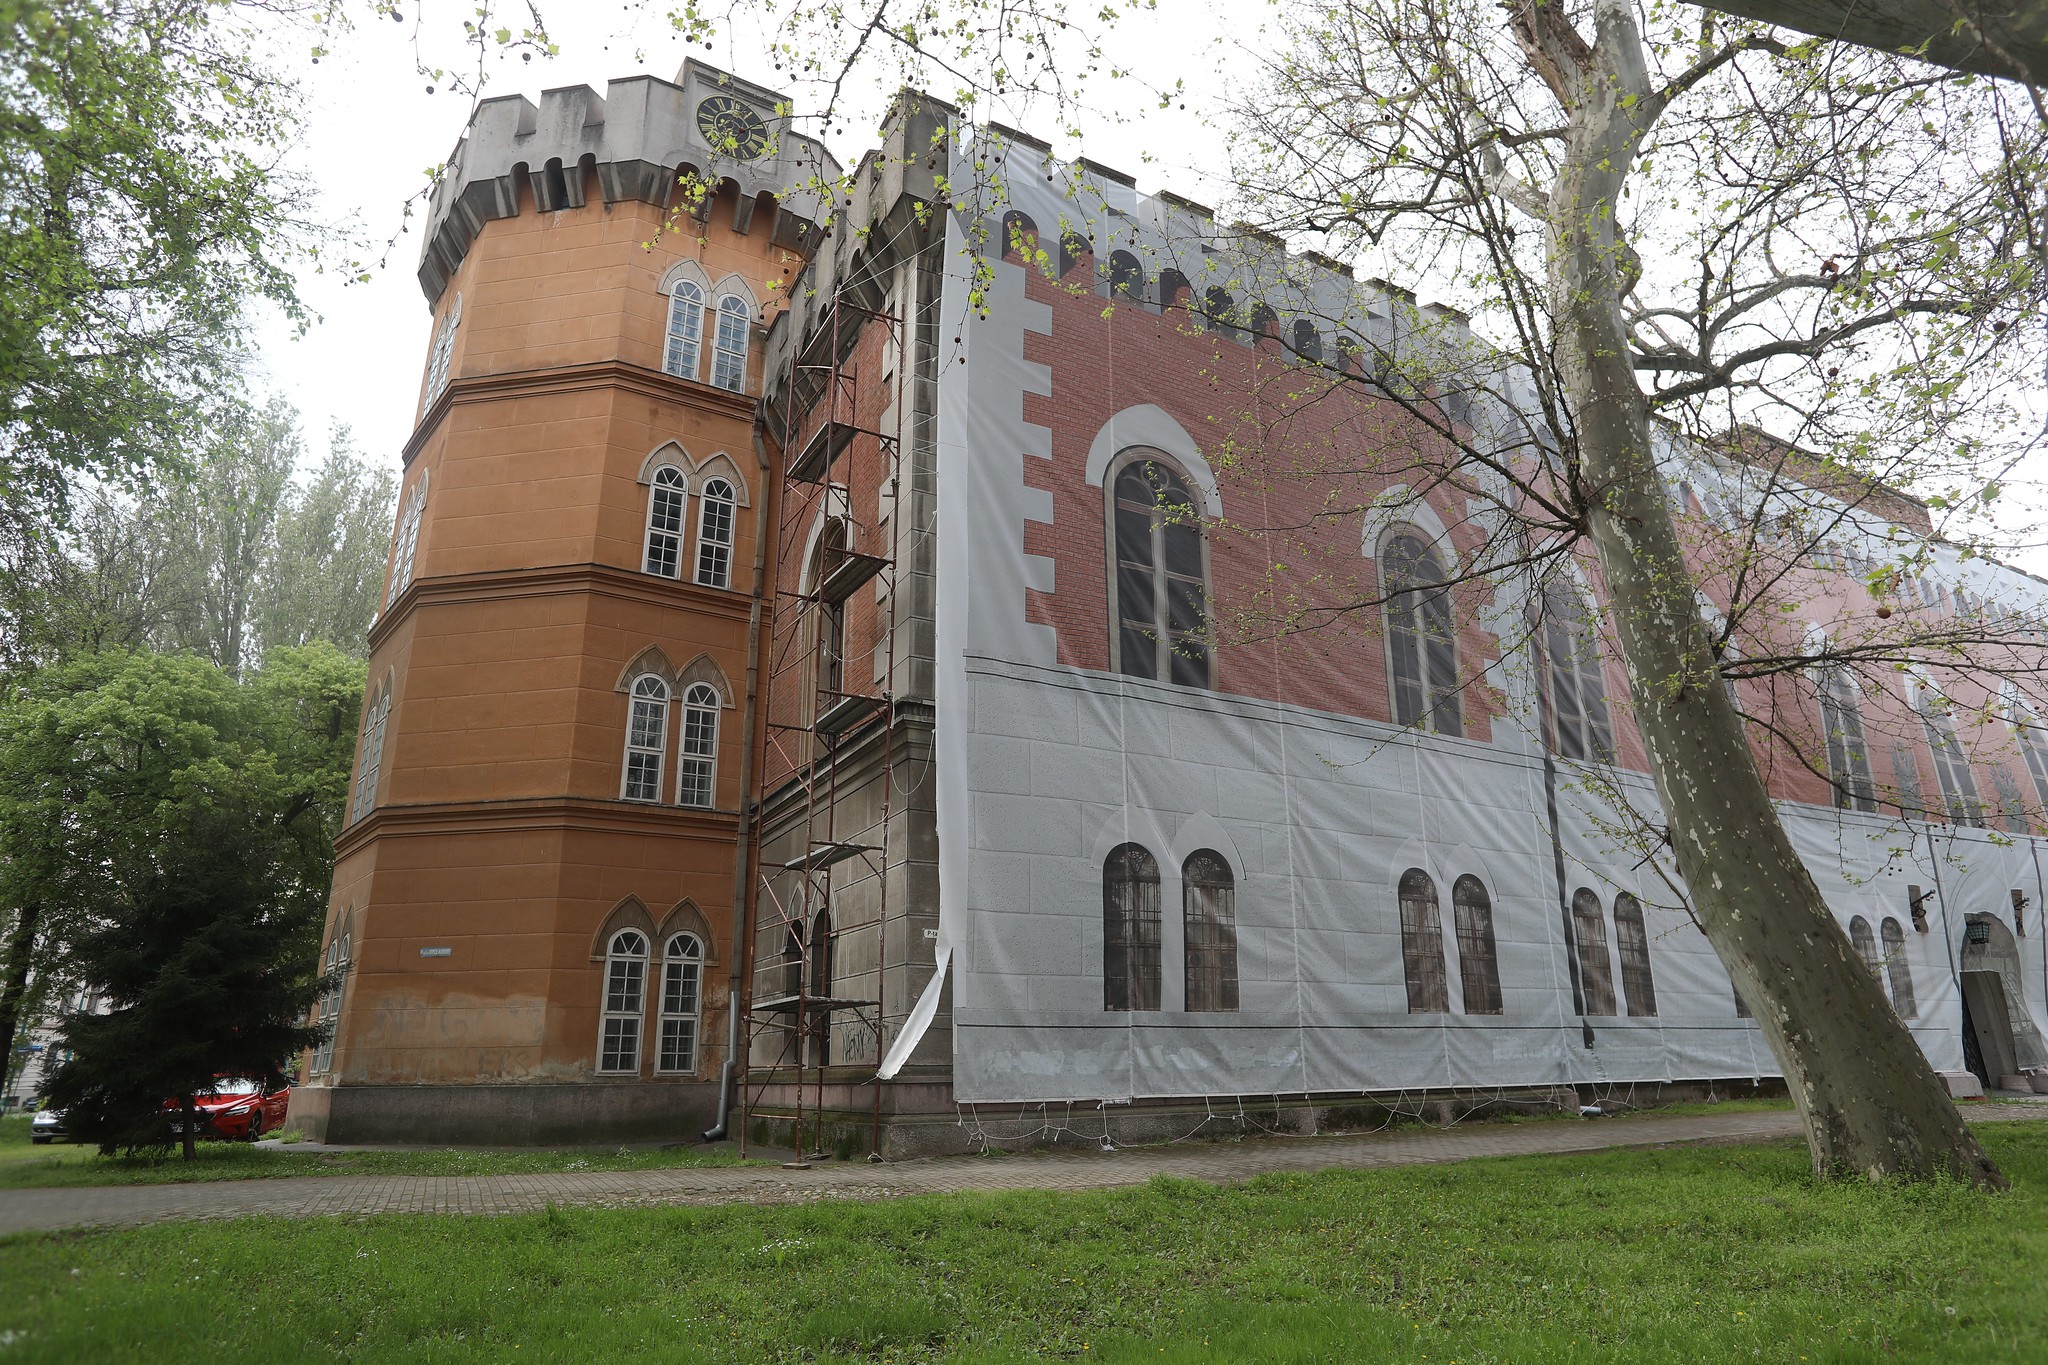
697	760
729	344
407	541
441	358
682	355
666	496
1160	576
1422	641
682	979
372	754
714	534
1841	719
625	1001
327	1008
1579	724
646	739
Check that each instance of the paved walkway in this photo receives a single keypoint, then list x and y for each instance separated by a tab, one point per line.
1222	1163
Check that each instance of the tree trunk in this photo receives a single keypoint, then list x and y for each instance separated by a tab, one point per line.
21	947
1871	1103
189	1120
1998	38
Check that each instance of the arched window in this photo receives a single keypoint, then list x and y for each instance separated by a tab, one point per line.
625	1001
697	758
831	619
1209	916
1596	973
682	980
2034	748
1865	944
1308	342
1126	276
1173	289
1422	944
646	739
665	496
729	344
1161	585
1951	764
1130	929
1350	354
714	534
685	331
1219	311
1632	940
1899	970
441	359
1841	719
1020	237
1478	962
821	953
372	760
408	541
1422	642
1265	322
2012	807
1578	691
1074	248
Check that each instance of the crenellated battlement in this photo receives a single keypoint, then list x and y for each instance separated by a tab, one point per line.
636	139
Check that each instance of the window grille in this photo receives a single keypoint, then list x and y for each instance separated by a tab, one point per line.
1841	720
697	759
1130	930
1161	585
1898	970
1478	959
1422	944
1596	972
625	1002
714	534
729	344
646	739
665	501
685	331
1579	723
682	979
1632	941
1422	641
1209	917
372	759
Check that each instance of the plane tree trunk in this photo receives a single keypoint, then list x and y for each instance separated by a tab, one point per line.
1871	1103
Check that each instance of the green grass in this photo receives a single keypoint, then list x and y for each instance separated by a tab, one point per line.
1692	1255
24	1166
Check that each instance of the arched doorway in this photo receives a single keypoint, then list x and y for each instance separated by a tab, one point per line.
1999	1037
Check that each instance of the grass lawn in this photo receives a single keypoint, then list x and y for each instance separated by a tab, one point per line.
1700	1255
24	1166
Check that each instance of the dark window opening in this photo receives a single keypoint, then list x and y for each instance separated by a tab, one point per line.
1422	640
1173	289
1074	249
1209	916
1579	725
1308	342
1130	930
1422	944
1478	963
1161	588
1632	939
1126	276
1020	237
1596	972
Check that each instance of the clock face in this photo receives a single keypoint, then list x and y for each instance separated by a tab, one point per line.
732	126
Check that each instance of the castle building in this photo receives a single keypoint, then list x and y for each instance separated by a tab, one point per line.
889	664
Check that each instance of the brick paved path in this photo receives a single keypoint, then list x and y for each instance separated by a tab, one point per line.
306	1196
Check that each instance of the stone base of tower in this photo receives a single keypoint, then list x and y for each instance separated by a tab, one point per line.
582	1113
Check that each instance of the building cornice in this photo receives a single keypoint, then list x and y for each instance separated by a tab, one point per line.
556	580
579	814
707	399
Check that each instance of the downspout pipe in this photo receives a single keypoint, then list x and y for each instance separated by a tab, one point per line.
742	882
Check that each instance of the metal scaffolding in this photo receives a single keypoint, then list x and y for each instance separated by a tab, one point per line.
842	467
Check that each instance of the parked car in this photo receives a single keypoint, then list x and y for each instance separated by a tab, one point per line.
235	1108
47	1126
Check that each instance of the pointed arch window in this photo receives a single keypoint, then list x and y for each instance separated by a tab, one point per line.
665	499
1865	944
1130	929
714	534
625	1002
407	542
1161	576
1632	941
1841	719
682	355
1422	944
646	739
372	759
697	755
1951	764
1596	971
1579	723
1898	971
1209	916
729	344
441	359
1478	960
682	980
1422	641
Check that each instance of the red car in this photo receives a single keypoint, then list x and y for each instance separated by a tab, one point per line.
236	1108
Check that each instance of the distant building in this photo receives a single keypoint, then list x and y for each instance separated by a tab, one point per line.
1015	759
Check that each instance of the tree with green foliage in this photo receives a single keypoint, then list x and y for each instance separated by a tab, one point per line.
323	568
166	838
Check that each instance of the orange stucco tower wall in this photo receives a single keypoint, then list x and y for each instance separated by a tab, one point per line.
496	852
